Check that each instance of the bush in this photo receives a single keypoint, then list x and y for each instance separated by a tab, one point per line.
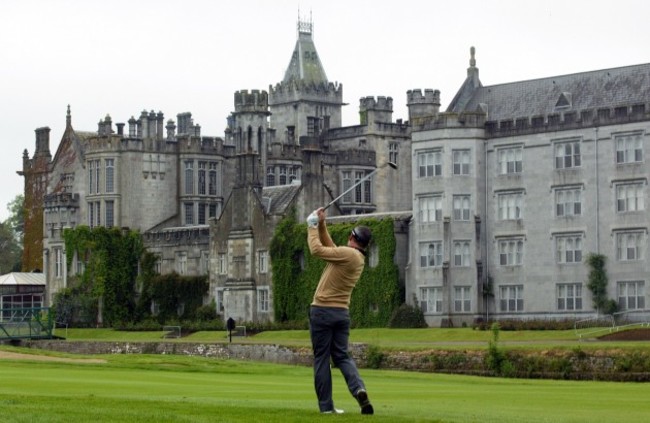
407	316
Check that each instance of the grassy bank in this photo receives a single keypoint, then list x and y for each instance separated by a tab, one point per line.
143	388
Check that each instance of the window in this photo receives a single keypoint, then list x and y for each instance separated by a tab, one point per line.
283	175
219	301
91	214
567	155
270	176
347	184
223	264
263	261
98	172
568	202
202	181
431	299
461	207
58	262
631	295
510	205
189	213
392	152
509	160
312	126
293	174
462	300
430	164
568	249
629	246
511	298
213	208
189	177
357	191
461	159
431	254
511	252
110	175
98	213
569	296
158	265
181	263
461	253
202	209
212	179
630	197
91	177
263	299
110	214
629	149
430	209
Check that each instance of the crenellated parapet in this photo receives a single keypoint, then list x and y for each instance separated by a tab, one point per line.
297	90
569	119
177	236
449	120
254	102
381	103
422	104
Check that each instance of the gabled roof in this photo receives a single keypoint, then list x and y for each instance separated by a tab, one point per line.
607	88
305	63
277	199
19	278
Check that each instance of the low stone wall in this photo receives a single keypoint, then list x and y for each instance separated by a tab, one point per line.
613	365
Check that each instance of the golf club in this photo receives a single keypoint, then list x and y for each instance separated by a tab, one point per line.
391	164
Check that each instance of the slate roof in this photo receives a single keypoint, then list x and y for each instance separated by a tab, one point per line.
277	199
305	63
605	88
23	278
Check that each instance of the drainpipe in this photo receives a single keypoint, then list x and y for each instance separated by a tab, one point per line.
597	191
486	238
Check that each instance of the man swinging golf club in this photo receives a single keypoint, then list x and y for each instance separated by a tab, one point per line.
329	317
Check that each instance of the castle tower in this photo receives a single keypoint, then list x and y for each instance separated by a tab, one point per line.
305	103
373	110
420	105
36	171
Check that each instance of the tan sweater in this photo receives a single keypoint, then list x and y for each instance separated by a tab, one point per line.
341	273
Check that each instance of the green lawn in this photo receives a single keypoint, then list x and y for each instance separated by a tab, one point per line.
405	339
164	388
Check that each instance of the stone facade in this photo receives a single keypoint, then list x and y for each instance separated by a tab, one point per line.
509	189
516	184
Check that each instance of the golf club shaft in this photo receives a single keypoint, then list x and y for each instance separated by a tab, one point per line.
365	178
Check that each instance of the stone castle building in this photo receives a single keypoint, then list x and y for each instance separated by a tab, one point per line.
497	200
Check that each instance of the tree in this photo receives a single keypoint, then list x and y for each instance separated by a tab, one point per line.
10	252
16	219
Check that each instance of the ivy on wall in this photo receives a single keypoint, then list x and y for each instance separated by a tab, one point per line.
178	296
296	273
111	266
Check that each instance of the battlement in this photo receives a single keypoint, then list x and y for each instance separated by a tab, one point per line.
416	97
570	119
254	102
297	90
384	104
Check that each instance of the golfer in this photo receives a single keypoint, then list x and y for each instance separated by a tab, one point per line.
329	317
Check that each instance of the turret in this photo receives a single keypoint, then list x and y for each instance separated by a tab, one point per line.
372	111
420	105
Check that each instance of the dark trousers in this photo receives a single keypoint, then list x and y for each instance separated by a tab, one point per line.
329	328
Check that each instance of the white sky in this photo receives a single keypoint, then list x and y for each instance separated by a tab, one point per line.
119	57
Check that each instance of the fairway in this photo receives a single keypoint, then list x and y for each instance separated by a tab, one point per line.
146	388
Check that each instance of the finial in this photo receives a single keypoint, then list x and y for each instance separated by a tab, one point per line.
472	60
68	117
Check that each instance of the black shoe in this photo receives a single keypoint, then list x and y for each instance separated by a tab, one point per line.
364	402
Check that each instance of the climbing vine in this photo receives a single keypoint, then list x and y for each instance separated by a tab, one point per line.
110	258
296	272
598	284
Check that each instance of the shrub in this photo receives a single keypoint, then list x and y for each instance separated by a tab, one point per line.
375	357
407	316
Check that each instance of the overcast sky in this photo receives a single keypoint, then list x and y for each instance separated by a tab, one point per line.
120	57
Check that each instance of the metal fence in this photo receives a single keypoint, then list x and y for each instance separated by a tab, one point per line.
608	323
26	323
